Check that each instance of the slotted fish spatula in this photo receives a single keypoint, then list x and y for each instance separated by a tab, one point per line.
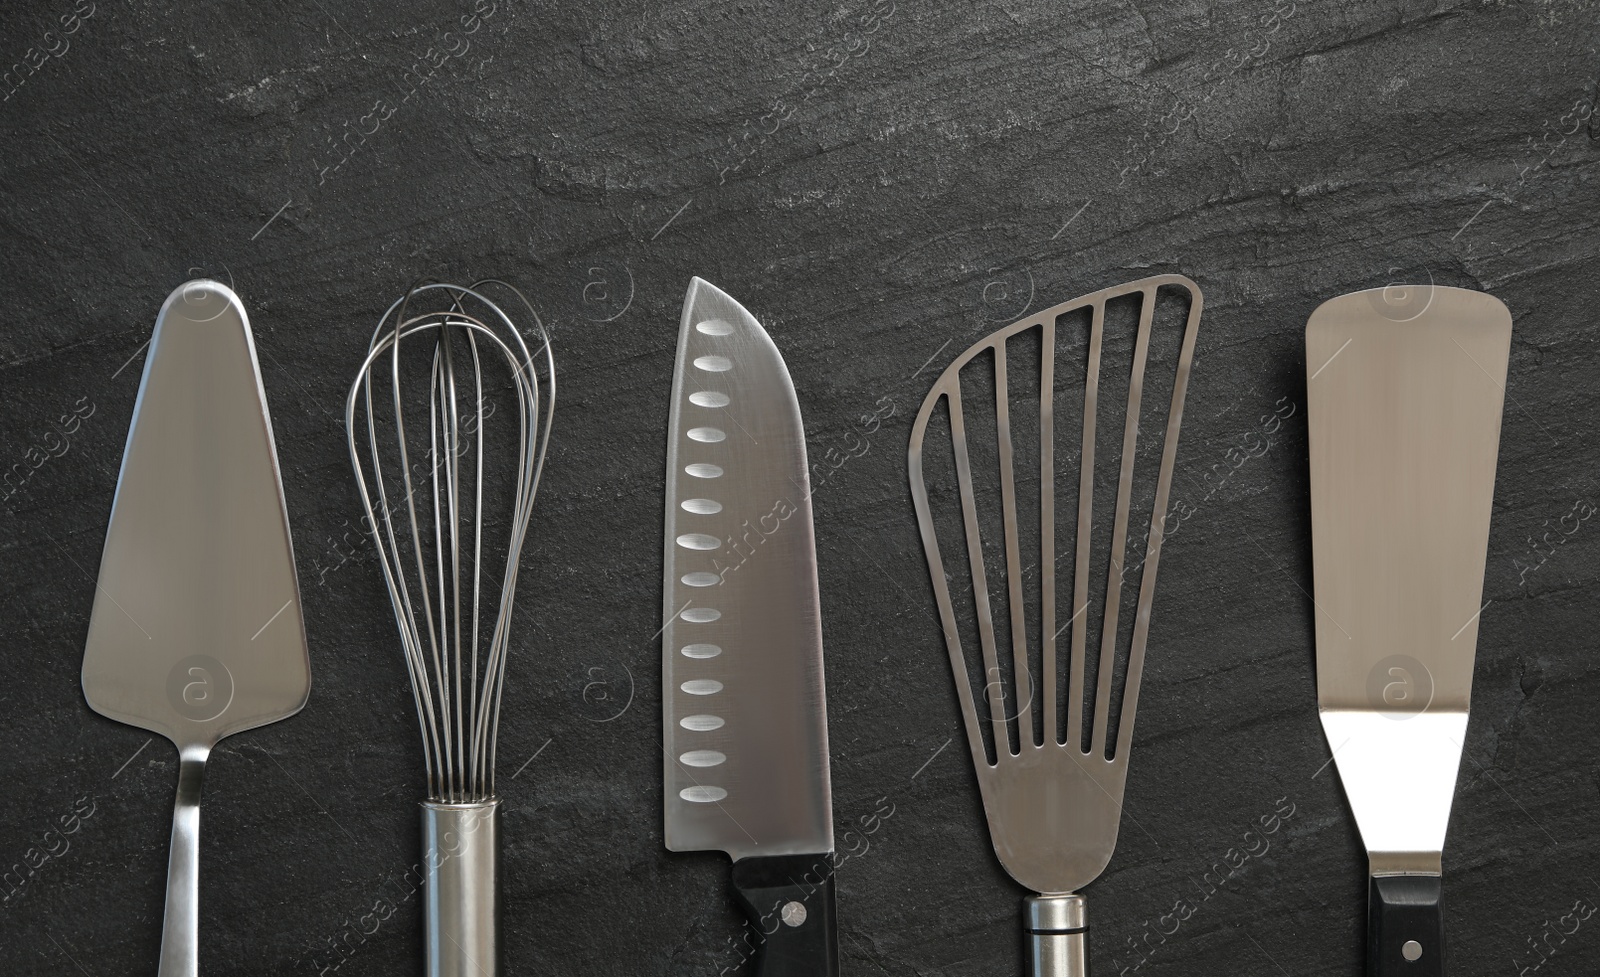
196	632
1404	392
1053	803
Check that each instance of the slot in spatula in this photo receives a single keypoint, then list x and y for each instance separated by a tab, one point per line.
196	632
1405	387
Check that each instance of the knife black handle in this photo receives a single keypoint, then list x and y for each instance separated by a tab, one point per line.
789	902
1405	926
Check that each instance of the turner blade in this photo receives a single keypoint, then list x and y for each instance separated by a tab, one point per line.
746	733
1404	401
196	631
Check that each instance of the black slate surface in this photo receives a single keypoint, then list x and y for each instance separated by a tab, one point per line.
882	182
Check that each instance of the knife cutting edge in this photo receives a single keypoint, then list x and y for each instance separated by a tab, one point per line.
744	711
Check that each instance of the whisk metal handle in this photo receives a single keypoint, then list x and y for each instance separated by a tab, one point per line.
460	845
1057	933
180	927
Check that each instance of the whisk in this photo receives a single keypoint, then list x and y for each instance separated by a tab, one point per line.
436	569
1053	792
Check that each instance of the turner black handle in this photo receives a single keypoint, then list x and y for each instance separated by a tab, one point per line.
1405	926
789	902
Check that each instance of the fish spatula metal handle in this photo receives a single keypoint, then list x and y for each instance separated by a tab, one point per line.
1054	801
1057	932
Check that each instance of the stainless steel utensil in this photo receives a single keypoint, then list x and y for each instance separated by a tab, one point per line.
746	728
455	365
1053	802
196	632
1405	387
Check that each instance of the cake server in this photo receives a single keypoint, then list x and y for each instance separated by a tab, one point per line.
196	631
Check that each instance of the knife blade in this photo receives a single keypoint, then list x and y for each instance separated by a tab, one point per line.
196	631
1405	391
744	711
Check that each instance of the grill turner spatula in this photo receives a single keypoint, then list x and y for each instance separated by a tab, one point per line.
1405	387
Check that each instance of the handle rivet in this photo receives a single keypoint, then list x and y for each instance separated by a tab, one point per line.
1412	950
794	913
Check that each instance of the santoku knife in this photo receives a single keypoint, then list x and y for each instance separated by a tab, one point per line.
746	730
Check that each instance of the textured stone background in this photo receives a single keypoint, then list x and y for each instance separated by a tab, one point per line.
882	182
